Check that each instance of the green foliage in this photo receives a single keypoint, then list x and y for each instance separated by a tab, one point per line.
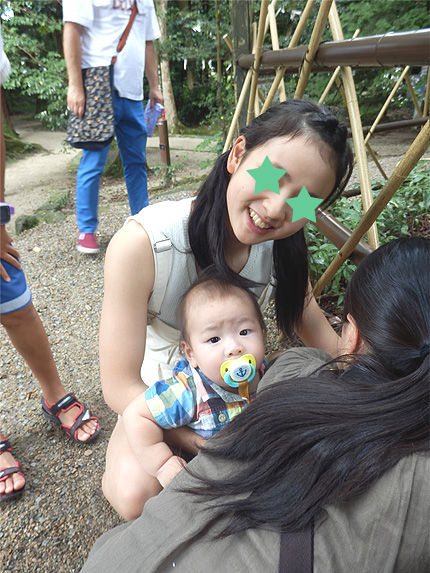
399	218
32	41
191	48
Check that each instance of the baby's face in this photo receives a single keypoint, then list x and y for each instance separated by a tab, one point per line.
222	328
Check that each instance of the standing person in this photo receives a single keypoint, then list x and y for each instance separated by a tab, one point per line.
348	451
92	30
246	233
222	331
26	332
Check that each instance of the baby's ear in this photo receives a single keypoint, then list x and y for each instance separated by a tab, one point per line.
187	350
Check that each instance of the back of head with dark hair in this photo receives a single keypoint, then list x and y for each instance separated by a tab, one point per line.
306	443
207	223
388	296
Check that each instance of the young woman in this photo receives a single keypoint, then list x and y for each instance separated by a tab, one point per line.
249	237
349	452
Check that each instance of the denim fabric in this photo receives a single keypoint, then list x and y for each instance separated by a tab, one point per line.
131	133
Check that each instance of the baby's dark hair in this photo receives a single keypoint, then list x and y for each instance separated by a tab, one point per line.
214	285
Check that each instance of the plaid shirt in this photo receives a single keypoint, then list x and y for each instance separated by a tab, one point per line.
190	399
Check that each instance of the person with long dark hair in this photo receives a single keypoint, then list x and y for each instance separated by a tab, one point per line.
247	236
346	451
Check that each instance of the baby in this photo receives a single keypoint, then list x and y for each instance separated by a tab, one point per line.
220	324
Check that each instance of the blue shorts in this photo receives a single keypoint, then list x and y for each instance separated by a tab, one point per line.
15	294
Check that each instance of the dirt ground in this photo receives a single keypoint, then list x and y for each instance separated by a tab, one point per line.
31	180
62	512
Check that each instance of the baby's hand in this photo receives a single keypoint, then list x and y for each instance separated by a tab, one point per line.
170	469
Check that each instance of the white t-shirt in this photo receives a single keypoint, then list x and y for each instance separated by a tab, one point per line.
103	23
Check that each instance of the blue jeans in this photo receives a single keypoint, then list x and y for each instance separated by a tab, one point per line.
131	135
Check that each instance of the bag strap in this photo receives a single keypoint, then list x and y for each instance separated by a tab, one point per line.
297	551
162	249
126	32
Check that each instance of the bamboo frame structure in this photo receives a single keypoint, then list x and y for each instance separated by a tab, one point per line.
334	76
293	43
314	43
381	51
402	170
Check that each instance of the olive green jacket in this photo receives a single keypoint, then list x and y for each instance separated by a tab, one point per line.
384	530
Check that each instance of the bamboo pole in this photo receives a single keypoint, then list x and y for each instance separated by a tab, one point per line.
334	76
375	159
387	103
293	43
301	24
275	46
238	110
254	43
228	41
427	96
257	59
356	128
413	96
261	96
271	6
402	170
240	101
314	43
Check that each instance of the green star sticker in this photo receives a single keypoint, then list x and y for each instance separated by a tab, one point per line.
267	177
303	206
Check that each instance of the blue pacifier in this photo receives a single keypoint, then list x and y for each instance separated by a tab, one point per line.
238	372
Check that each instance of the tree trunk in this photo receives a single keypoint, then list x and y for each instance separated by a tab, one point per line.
166	82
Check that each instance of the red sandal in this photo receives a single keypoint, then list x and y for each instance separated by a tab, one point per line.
6	472
65	404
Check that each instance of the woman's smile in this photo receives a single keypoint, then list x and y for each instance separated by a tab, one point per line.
257	223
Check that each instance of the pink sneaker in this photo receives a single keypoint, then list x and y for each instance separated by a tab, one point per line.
87	243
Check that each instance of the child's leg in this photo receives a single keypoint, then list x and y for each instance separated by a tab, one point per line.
27	334
125	485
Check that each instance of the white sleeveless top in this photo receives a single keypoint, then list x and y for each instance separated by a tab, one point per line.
166	224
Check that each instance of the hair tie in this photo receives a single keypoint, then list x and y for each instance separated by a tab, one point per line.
424	350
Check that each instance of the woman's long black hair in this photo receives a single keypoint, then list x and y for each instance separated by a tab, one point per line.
207	223
307	443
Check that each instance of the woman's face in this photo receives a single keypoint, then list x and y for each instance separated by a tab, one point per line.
255	218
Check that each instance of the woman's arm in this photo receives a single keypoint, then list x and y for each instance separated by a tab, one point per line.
315	330
129	279
145	437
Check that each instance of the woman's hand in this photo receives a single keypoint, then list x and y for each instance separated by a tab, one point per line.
315	330
8	253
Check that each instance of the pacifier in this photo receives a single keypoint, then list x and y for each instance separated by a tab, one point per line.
238	372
